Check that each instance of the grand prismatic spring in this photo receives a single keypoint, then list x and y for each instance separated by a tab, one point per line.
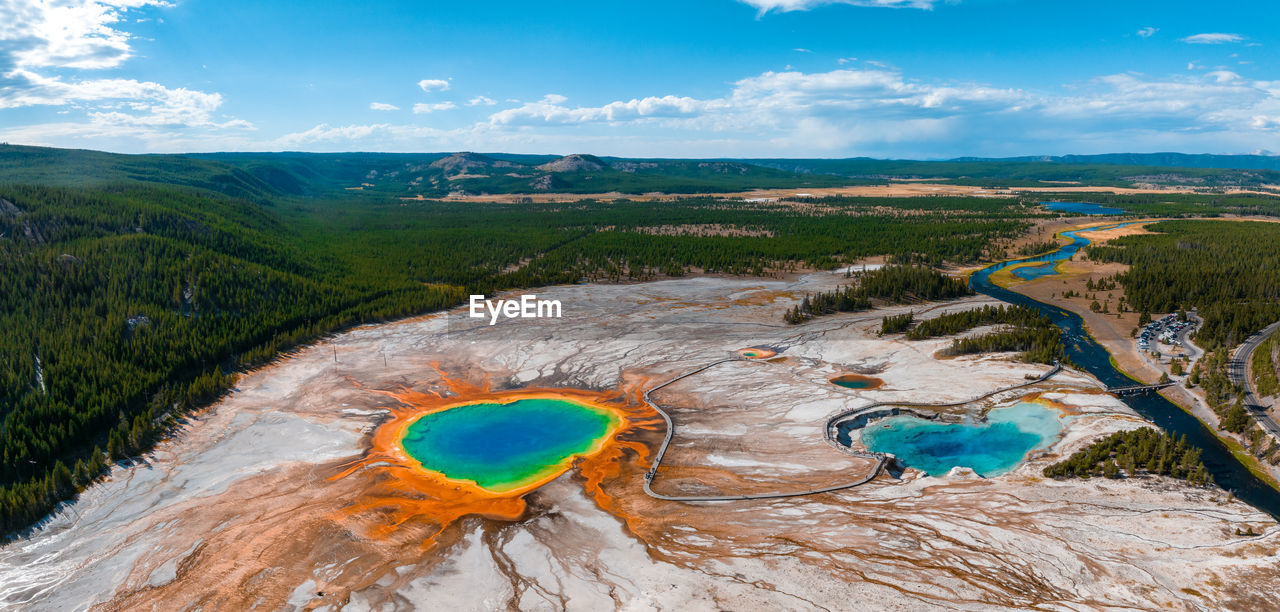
508	446
467	450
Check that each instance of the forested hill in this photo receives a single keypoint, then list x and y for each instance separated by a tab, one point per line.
1230	271
436	175
268	175
122	307
81	168
264	176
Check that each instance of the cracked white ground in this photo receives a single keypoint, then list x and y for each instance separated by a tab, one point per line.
240	507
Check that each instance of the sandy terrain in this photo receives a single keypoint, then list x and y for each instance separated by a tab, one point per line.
1111	330
281	497
1129	229
904	189
895	189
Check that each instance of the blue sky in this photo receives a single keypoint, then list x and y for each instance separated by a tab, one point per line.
739	78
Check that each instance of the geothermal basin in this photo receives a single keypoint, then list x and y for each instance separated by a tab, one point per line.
300	489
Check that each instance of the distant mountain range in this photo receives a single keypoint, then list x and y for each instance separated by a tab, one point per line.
434	175
1167	160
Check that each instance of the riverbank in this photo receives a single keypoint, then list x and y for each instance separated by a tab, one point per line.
1193	401
1114	332
1110	329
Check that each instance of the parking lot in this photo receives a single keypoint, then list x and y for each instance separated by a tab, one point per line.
1167	336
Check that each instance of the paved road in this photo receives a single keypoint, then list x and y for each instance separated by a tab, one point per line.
1238	370
1195	352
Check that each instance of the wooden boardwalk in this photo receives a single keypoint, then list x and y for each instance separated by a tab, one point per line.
829	434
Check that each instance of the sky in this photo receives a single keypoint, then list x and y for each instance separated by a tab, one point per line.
918	79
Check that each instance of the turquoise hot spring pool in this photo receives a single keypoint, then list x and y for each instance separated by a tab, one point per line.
990	448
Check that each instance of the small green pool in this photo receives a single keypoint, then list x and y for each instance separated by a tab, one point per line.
855	381
506	446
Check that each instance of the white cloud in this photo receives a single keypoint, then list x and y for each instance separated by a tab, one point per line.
1197	99
879	111
1148	32
433	85
863	111
325	132
866	112
1215	38
862	90
383	106
1263	122
422	109
785	112
764	6
40	38
802	50
65	33
550	110
386	137
179	121
151	103
664	106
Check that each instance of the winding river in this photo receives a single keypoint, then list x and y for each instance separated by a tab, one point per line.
1086	353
